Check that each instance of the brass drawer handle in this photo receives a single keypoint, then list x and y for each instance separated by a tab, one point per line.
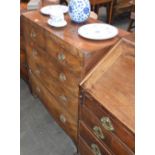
106	123
61	56
63	99
62	77
95	149
33	34
62	118
98	132
34	52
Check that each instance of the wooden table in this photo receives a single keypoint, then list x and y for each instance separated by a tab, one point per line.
58	59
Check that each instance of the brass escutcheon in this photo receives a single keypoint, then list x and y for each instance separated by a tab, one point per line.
98	132
106	123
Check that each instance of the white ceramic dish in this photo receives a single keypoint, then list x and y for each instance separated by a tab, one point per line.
98	31
47	10
51	23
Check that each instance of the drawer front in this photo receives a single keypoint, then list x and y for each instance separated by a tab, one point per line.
34	34
38	61
63	55
63	118
106	137
94	144
109	123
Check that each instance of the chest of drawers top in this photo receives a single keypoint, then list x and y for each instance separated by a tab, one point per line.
67	37
111	83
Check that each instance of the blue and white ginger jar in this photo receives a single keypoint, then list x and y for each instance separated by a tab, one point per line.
79	10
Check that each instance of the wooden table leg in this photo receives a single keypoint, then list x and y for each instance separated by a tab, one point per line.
109	12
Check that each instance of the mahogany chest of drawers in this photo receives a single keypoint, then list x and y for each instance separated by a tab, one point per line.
58	59
106	123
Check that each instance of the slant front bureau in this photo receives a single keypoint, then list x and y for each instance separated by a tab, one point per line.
106	124
58	59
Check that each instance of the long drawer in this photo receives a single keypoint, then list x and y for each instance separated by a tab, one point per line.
106	137
38	61
110	123
63	118
94	144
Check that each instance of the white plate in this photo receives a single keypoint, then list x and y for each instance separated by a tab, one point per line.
98	31
47	10
64	23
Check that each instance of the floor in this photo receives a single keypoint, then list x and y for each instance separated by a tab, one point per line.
39	133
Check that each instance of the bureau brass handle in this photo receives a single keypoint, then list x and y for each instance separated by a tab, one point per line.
61	56
63	99
62	77
95	149
106	123
34	52
98	132
33	34
62	118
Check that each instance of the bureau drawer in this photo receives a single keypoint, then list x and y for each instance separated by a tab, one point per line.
34	34
106	137
94	144
63	55
110	123
51	72
63	118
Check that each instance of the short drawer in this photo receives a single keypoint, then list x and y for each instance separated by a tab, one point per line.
63	118
110	123
33	34
50	72
63	55
106	137
94	144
